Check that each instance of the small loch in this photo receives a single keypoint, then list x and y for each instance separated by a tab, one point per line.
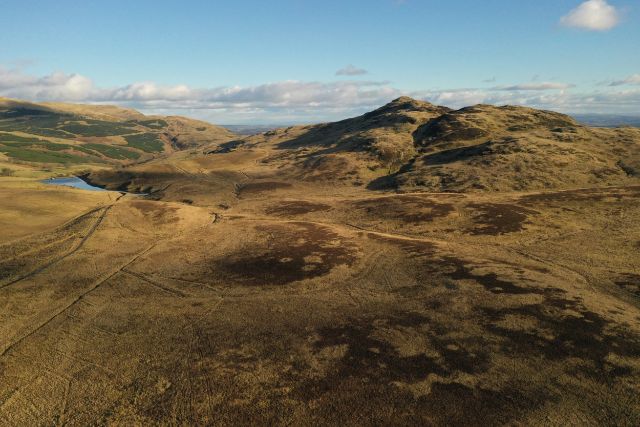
74	182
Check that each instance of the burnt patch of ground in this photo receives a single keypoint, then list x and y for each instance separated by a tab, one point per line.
583	195
457	269
555	330
289	253
370	356
295	207
495	219
630	282
406	208
564	327
453	268
373	374
481	406
566	331
559	328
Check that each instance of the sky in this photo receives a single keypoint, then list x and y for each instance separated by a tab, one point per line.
302	61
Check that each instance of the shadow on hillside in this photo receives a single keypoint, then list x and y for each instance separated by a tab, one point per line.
455	154
390	182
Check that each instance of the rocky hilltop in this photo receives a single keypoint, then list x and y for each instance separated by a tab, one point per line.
411	145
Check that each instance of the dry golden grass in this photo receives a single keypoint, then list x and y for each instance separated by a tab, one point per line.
410	145
240	293
29	207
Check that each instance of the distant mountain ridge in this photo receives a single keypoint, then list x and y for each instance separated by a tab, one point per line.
608	120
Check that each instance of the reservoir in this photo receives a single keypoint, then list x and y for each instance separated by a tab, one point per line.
74	182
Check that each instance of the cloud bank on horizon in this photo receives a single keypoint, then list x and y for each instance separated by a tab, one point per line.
300	100
303	101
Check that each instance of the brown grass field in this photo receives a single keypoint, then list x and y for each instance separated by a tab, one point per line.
258	284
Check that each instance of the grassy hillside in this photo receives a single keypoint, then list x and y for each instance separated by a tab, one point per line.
490	148
409	145
301	276
53	136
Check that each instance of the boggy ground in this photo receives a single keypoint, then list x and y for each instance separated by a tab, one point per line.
225	299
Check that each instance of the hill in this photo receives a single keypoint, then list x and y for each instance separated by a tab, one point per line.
516	148
608	120
55	134
304	276
380	139
409	145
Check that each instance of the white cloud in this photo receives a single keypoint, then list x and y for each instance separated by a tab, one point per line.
72	87
615	102
299	101
631	80
351	70
594	15
536	86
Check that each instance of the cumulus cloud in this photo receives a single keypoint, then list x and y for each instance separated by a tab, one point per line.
593	15
300	101
631	80
620	102
351	70
537	86
72	87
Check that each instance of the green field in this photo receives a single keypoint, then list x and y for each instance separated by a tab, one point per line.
98	128
152	124
149	142
7	137
42	126
113	151
31	155
62	125
68	126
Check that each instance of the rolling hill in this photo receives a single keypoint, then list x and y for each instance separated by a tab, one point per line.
415	265
409	145
33	135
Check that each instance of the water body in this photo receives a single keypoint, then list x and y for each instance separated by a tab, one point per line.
80	183
74	182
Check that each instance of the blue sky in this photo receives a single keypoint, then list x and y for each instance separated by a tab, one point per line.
278	61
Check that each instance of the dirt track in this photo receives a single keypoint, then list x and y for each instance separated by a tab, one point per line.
296	308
